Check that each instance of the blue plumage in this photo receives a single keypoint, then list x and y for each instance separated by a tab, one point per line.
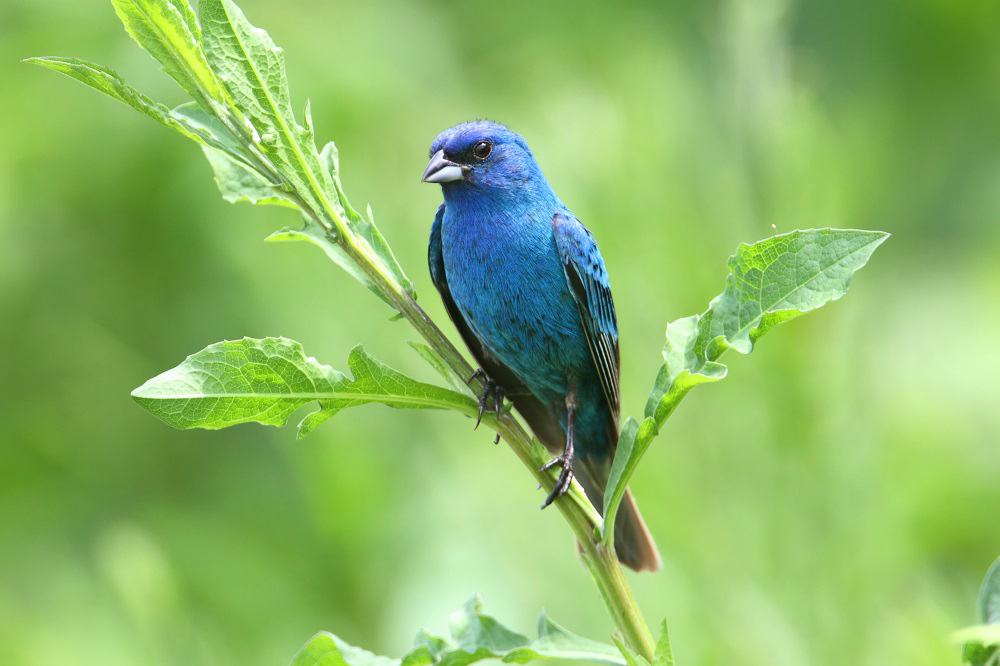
528	290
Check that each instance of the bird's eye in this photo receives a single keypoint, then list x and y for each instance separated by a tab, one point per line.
482	150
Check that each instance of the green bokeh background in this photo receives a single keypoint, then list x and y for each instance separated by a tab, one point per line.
835	501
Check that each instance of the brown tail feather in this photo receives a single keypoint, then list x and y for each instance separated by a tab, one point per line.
633	543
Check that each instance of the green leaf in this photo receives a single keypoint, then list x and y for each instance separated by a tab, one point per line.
769	282
365	228
325	649
555	642
982	642
475	636
264	381
168	31
110	83
252	69
989	595
632	658
663	655
633	441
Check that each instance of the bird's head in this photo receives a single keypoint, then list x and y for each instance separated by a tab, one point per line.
482	155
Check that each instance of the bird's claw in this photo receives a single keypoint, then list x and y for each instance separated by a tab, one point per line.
491	391
565	477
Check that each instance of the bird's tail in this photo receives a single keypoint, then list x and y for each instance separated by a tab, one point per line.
633	543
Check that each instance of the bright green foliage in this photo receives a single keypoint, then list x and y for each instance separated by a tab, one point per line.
474	637
264	381
242	115
770	282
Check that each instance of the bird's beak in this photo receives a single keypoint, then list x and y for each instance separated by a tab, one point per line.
440	170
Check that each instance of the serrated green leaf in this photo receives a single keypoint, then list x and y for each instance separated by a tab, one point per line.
252	70
264	381
170	35
325	649
769	282
236	177
111	83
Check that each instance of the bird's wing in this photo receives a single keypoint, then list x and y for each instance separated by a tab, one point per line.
547	429
589	284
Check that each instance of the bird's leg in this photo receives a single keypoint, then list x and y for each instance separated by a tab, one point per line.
491	391
566	459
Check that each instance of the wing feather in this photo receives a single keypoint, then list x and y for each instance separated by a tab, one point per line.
589	284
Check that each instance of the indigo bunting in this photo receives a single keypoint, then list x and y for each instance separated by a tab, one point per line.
526	286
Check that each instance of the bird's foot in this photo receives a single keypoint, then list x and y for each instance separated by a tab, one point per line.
565	461
491	392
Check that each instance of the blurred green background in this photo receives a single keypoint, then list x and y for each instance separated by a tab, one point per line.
835	501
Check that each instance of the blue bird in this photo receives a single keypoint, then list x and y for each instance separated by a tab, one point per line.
526	286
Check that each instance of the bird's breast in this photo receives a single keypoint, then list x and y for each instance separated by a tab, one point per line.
506	277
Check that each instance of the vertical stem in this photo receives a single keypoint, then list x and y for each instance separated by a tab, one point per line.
581	516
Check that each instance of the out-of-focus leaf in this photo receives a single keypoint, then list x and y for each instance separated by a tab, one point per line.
265	380
982	642
474	637
325	649
989	595
555	642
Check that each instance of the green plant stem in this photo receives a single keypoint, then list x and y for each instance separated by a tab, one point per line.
583	519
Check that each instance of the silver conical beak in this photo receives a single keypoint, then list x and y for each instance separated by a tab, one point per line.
440	170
